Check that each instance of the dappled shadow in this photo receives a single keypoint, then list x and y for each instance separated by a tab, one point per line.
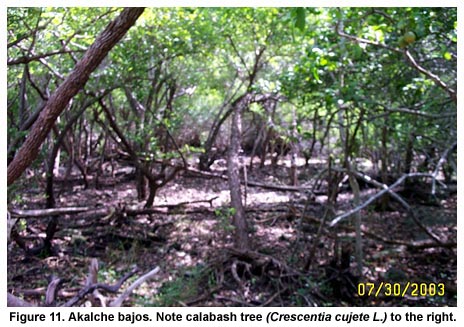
192	244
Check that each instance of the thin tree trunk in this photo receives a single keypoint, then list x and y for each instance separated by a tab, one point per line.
358	221
384	160
153	187
242	241
408	156
207	158
294	151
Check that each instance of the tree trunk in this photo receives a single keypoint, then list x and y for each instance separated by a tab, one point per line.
242	242
384	161
294	151
153	187
141	182
207	158
358	221
112	34
54	154
409	156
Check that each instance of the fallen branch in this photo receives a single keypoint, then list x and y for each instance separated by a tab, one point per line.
91	288
39	213
180	204
417	245
14	301
375	236
52	289
104	211
284	188
386	189
440	163
389	190
118	302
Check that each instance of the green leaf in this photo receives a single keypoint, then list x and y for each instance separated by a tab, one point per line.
447	55
300	21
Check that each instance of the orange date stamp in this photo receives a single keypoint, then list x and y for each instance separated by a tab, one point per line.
401	289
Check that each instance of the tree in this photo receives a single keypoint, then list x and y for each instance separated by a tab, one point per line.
322	104
66	91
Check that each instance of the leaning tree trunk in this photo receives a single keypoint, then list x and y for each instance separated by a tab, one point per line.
242	241
76	80
207	158
53	156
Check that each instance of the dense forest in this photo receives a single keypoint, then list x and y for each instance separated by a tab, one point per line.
232	156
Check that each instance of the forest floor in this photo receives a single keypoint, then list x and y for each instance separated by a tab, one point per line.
192	244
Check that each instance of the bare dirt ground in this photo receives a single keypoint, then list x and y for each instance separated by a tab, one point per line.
192	245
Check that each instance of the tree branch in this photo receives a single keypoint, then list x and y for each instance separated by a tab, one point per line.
433	77
76	80
28	59
356	39
409	57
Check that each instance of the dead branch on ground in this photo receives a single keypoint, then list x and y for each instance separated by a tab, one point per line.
104	211
375	236
96	286
39	213
276	187
118	302
91	286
